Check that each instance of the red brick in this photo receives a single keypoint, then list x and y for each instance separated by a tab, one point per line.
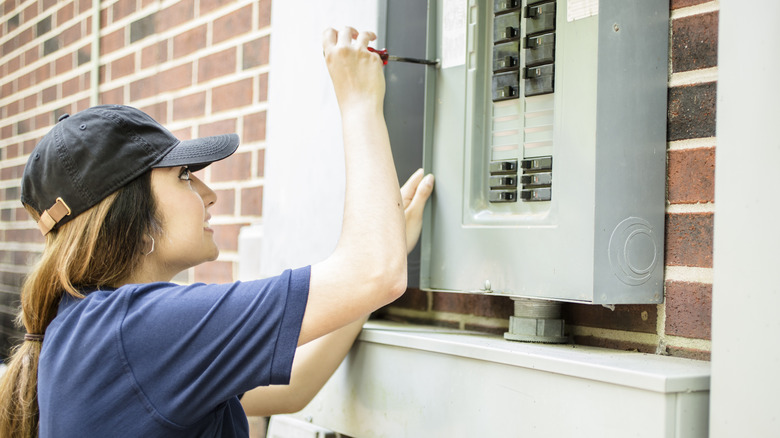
49	94
190	106
216	65
233	24
213	272
236	168
255	52
104	17
261	163
14	64
216	128
30	12
226	236
633	318
43	121
84	5
71	86
113	96
691	176
123	8
31	55
112	42
102	73
65	13
30	102
677	4
252	201
226	203
189	41
689	310
12	108
154	54
695	42
63	64
233	95
42	73
176	77
264	13
689	239
184	134
176	14
262	87
254	127
468	304
71	35
206	6
158	111
123	66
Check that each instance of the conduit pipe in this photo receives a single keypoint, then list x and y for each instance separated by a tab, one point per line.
536	320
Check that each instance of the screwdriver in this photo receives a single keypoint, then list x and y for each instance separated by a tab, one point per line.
384	56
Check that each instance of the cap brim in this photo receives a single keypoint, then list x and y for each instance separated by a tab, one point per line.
200	152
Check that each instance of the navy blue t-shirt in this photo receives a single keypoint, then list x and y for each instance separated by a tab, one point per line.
164	360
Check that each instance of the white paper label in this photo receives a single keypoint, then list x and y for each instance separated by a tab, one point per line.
577	9
453	34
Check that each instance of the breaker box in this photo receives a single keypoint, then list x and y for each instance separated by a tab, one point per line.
545	125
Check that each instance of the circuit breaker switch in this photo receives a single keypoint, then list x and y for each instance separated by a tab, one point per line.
506	166
503	196
503	181
539	49
536	164
539	18
500	6
537	179
533	195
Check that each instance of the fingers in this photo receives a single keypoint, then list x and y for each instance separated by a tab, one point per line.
421	194
410	187
329	37
414	210
364	38
346	35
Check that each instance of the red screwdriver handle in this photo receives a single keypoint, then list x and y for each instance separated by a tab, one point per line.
382	54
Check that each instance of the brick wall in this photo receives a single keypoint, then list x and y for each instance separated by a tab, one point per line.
198	67
681	325
201	68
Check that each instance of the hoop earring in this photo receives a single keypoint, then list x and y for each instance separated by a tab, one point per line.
151	250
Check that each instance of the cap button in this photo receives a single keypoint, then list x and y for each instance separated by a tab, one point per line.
63	117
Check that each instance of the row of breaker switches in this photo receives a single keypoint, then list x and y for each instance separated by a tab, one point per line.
535	182
538	44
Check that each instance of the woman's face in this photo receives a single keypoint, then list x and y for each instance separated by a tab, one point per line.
186	240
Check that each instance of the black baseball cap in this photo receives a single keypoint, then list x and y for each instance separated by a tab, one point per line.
91	154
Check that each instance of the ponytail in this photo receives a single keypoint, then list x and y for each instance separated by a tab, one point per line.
98	248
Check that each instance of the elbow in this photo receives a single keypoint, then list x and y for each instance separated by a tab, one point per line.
394	280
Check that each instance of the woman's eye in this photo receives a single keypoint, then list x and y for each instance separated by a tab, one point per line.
184	174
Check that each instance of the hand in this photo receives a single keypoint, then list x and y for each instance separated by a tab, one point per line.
415	191
356	73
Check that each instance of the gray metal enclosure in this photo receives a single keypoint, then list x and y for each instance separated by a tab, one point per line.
546	130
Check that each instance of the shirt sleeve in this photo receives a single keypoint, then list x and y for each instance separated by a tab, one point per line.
190	348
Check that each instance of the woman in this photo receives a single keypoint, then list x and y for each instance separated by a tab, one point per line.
113	349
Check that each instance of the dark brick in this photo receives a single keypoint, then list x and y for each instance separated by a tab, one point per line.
414	299
689	239
691	111
13	22
634	318
51	45
43	26
84	55
471	304
142	28
689	310
695	42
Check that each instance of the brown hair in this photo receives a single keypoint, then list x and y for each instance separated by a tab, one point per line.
98	248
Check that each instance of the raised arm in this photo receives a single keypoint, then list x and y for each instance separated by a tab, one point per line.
368	267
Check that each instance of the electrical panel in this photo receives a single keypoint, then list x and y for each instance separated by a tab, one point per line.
545	125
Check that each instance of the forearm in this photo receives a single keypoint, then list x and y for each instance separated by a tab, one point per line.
314	364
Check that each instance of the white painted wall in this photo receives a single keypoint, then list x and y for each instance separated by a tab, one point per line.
304	172
746	291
